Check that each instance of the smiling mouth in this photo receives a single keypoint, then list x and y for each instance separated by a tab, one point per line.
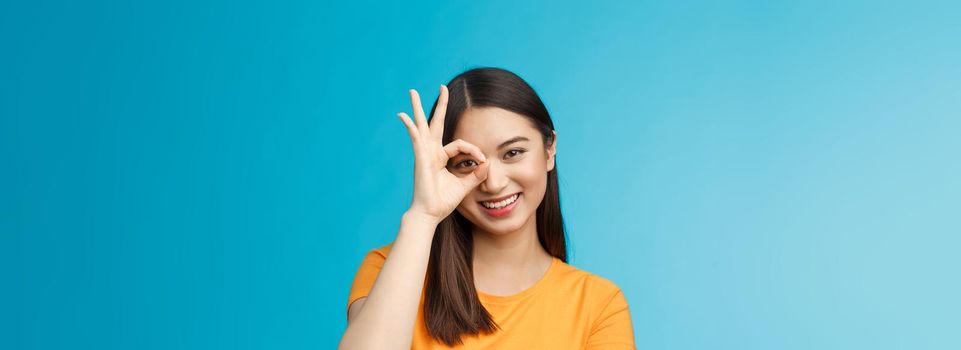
500	202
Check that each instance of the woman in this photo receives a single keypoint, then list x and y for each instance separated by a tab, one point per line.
480	260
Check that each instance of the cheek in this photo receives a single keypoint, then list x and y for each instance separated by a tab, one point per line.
532	171
534	187
532	179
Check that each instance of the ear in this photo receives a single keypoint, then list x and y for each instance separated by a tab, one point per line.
551	150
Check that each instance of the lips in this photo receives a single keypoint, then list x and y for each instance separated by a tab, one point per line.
500	198
502	211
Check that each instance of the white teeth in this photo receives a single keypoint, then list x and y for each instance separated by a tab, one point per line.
501	204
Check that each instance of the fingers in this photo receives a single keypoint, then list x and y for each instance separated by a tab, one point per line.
460	146
419	116
477	176
411	128
437	121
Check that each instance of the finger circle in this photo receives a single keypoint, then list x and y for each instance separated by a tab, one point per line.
460	146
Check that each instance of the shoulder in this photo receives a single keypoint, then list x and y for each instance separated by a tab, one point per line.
600	299
590	286
604	308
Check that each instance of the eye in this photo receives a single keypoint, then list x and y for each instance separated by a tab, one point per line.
465	163
514	152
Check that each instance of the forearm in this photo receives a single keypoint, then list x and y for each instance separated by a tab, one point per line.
387	317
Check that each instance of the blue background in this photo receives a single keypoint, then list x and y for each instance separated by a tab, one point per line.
753	174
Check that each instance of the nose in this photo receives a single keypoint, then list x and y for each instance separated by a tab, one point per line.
496	179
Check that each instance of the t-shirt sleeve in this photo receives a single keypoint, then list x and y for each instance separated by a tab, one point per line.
613	329
366	275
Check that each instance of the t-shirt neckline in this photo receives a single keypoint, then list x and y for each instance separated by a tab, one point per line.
489	298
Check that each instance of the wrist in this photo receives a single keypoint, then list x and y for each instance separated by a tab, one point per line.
417	218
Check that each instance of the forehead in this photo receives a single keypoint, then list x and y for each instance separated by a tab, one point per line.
486	127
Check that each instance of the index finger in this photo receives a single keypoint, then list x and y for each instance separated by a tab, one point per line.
440	112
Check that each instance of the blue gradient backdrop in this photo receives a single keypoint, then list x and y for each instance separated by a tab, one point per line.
208	175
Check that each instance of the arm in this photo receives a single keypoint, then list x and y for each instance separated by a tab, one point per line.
386	317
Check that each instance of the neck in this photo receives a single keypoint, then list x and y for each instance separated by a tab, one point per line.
508	261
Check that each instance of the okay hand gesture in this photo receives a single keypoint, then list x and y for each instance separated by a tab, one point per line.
437	191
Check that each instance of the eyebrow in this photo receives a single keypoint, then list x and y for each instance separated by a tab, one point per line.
512	140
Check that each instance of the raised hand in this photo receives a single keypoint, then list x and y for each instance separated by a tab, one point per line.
436	190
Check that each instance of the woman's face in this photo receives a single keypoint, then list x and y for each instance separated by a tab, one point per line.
517	176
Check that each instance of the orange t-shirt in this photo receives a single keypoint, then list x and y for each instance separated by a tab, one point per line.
567	308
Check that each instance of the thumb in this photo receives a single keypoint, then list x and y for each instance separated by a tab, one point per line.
477	176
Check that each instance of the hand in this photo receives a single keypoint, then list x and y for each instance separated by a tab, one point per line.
437	191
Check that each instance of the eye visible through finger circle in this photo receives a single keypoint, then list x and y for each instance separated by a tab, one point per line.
463	165
466	163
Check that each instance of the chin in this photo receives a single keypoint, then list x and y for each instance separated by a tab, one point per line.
501	228
497	227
